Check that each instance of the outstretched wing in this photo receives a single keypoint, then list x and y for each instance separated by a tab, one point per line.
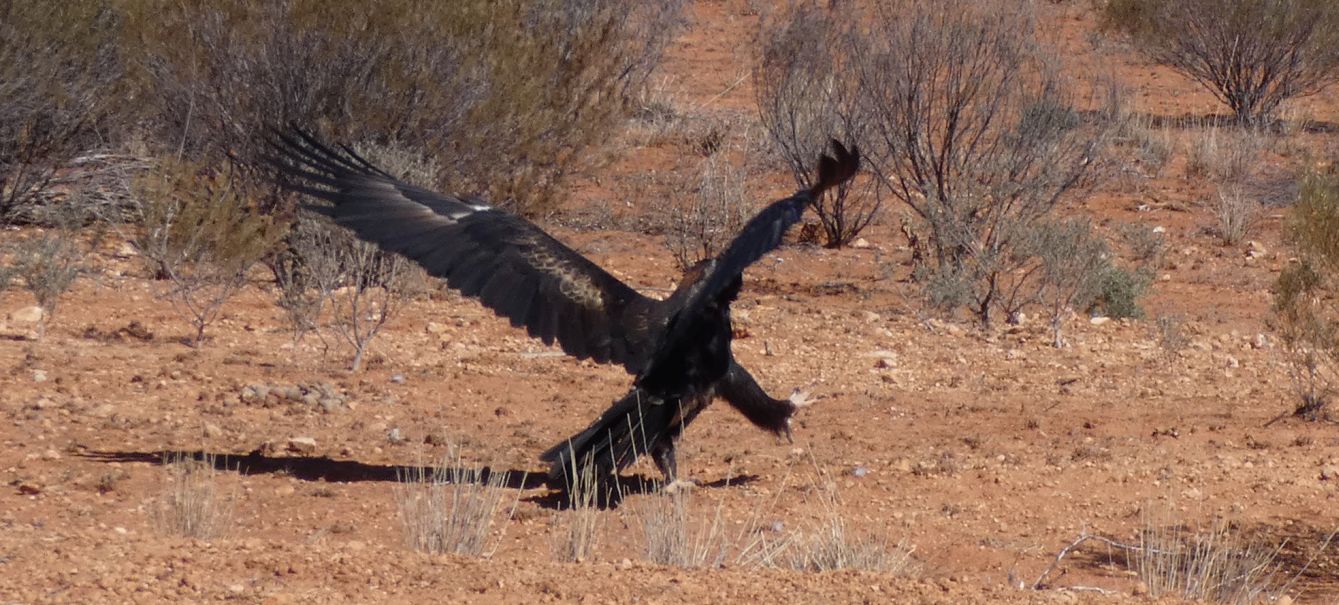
760	235
508	263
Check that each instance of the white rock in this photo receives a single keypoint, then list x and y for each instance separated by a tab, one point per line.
302	445
1097	321
27	315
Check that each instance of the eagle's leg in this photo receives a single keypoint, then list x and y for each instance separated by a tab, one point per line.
663	454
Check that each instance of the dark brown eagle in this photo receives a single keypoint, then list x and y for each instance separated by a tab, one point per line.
678	348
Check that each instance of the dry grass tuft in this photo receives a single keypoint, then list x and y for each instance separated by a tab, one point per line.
454	510
676	535
831	545
577	530
191	504
1216	565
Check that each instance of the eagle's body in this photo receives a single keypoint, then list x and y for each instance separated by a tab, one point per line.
678	348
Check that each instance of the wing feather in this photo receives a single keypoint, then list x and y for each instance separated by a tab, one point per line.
512	266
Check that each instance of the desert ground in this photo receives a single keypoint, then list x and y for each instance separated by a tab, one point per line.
978	456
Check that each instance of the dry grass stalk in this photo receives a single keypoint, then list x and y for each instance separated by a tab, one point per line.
577	539
676	535
831	545
191	503
454	510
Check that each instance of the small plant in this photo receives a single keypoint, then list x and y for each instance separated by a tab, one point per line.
1305	314
1073	262
1171	335
1236	212
191	504
454	510
48	265
1120	291
202	233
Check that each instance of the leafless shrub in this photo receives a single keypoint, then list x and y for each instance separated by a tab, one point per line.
1225	155
1145	245
701	219
1216	565
677	534
973	130
805	98
200	230
453	509
512	95
1250	54
1235	212
1305	315
191	503
58	68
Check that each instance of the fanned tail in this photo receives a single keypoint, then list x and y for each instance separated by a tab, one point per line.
837	168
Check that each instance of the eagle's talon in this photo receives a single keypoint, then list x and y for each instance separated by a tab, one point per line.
678	487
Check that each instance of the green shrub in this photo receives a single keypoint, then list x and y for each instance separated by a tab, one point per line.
1305	314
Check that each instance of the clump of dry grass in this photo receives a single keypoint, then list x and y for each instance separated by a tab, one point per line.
452	509
577	534
831	545
676	535
192	504
1236	212
1217	565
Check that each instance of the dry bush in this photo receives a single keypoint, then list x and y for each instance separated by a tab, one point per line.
58	70
1225	155
806	97
511	95
201	231
1250	54
973	130
703	217
1171	334
191	504
455	510
1216	565
1305	314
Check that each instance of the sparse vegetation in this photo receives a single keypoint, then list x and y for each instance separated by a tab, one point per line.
804	101
453	509
1216	565
1251	54
973	130
58	69
191	503
578	529
1305	315
1072	262
201	232
703	217
677	534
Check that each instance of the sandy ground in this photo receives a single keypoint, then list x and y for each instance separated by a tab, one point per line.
982	453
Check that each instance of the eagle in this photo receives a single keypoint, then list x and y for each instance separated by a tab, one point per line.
678	348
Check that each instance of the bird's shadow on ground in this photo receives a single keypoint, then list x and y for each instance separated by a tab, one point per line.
326	469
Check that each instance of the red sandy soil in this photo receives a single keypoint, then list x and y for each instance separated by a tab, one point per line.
988	452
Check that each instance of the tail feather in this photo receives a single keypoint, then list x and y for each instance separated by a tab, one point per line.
623	433
837	168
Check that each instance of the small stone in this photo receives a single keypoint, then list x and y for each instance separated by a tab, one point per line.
51	455
126	250
1259	342
1254	249
625	564
302	445
437	438
1097	321
212	430
27	315
398	378
28	488
860	470
394	435
436	328
1232	362
860	243
1140	589
1330	472
39	375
